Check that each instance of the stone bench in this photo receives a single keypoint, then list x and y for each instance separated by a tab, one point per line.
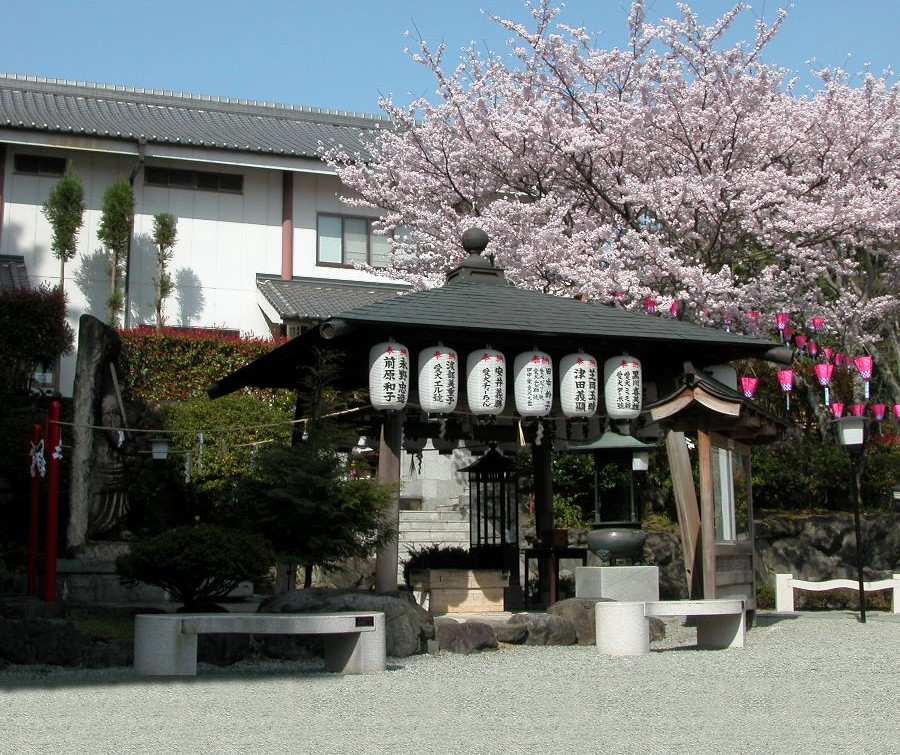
623	628
166	644
785	584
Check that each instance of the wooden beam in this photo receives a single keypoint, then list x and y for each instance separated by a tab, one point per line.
686	505
707	514
388	555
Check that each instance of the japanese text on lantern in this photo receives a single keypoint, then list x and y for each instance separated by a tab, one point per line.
628	386
395	375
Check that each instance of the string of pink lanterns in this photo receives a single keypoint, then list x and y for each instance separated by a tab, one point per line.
823	370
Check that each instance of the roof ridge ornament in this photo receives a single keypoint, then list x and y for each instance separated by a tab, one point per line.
476	268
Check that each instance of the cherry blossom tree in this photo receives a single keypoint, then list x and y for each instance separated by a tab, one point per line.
679	168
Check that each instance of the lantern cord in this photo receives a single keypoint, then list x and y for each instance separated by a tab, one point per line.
521	433
539	435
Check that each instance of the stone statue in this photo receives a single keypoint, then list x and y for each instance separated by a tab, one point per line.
109	505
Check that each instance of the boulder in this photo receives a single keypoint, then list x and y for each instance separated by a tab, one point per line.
464	637
511	633
579	611
546	629
406	624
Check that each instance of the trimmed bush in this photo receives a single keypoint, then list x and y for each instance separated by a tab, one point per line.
198	564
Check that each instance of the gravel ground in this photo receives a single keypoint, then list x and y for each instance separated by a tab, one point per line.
808	683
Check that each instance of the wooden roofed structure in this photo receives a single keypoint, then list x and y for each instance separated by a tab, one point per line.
477	308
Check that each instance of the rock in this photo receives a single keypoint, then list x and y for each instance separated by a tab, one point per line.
405	622
546	629
511	633
579	611
464	637
657	629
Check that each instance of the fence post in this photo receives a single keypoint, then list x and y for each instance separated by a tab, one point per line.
34	516
784	593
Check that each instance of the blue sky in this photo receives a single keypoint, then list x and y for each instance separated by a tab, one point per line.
342	54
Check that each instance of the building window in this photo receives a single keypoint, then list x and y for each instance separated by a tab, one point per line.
348	241
40	165
176	178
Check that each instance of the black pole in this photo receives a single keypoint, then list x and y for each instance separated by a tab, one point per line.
855	470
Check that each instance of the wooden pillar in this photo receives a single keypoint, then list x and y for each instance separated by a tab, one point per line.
688	510
542	471
287	225
707	514
387	557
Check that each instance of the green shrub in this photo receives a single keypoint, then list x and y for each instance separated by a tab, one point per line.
197	564
435	556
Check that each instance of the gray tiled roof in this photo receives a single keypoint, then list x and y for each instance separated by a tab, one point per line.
468	315
80	108
317	299
13	273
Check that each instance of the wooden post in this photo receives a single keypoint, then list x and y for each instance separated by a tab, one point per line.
688	511
34	516
542	470
387	557
707	514
54	454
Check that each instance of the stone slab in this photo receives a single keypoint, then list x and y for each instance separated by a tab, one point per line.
625	583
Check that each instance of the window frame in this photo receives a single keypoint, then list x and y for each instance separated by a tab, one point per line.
344	263
42	170
194	180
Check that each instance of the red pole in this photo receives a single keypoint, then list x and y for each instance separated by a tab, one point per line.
34	507
54	451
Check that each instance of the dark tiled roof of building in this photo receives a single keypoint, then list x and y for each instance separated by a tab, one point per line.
13	273
316	299
79	108
468	315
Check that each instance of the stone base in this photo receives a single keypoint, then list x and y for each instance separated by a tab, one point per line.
460	590
83	581
624	583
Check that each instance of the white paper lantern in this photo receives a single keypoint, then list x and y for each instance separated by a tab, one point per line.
438	380
533	383
622	387
388	376
578	385
486	381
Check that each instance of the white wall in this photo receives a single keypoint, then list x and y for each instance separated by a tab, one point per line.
224	240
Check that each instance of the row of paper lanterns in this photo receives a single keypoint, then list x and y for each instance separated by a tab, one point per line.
438	382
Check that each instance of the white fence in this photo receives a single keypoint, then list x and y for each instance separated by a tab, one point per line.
785	584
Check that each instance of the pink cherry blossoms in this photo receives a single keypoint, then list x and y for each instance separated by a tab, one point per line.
678	169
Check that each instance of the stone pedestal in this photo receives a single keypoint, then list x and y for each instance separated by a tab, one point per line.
624	583
460	590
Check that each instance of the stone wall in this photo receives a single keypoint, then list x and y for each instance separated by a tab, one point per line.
815	548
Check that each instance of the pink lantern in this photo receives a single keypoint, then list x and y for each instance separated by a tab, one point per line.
878	411
897	410
438	380
486	381
673	309
827	352
864	365
533	383
837	408
753	317
818	323
749	384
823	372
839	358
857	410
800	341
650	305
781	321
578	385
788	332
388	376
786	381
813	348
618	297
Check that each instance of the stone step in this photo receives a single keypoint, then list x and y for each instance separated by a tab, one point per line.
444	515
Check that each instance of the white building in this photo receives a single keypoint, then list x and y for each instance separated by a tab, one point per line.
265	245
